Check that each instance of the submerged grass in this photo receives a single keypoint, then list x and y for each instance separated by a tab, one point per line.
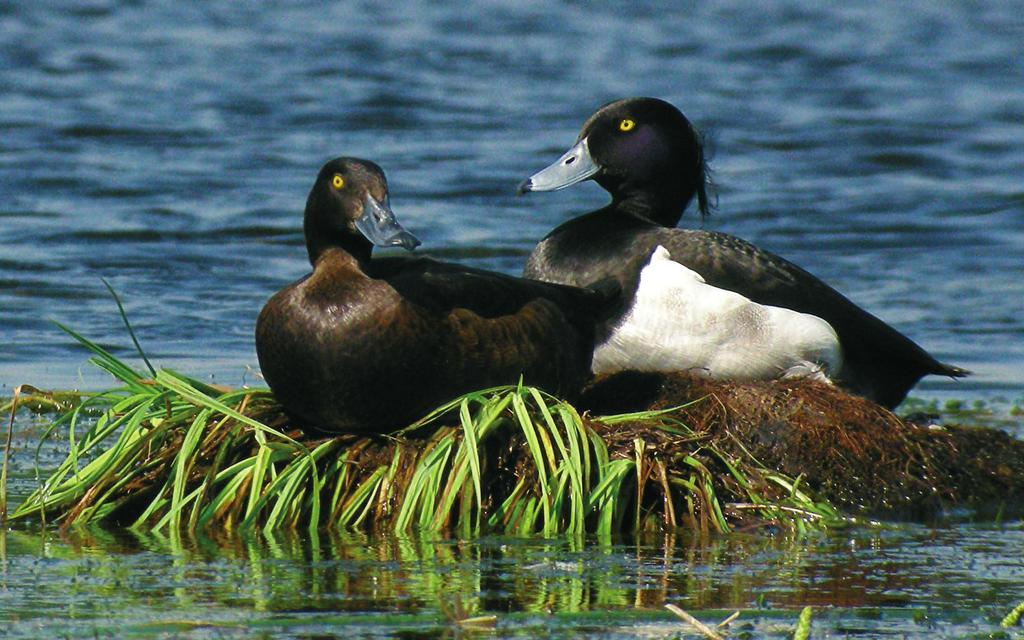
803	625
167	453
1012	619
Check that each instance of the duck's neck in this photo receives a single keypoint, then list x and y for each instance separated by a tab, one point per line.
317	248
659	208
322	235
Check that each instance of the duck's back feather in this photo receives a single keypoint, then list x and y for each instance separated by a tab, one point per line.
879	362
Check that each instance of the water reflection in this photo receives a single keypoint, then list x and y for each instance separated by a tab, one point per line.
289	573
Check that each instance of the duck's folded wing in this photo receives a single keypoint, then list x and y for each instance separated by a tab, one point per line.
443	286
730	263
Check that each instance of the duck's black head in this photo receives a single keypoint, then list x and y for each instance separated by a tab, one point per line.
348	208
643	151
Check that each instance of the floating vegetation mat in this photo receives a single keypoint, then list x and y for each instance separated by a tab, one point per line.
863	458
167	452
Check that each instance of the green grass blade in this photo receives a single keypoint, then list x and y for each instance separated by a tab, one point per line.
259	473
607	497
803	625
533	442
106	361
472	448
190	393
183	464
361	499
1012	619
570	460
128	326
420	493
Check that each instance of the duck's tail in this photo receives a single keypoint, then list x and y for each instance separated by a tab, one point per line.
949	370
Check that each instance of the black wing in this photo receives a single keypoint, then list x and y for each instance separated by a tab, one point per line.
443	286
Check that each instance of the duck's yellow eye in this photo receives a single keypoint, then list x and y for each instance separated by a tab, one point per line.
626	125
337	181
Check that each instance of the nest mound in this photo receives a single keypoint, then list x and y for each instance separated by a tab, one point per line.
859	455
636	451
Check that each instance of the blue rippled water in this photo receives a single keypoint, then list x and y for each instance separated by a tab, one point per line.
168	147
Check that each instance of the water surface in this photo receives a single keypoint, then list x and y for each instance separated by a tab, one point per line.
902	582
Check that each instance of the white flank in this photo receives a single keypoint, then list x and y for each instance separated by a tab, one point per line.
680	323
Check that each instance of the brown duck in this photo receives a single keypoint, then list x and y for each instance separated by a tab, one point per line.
364	344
